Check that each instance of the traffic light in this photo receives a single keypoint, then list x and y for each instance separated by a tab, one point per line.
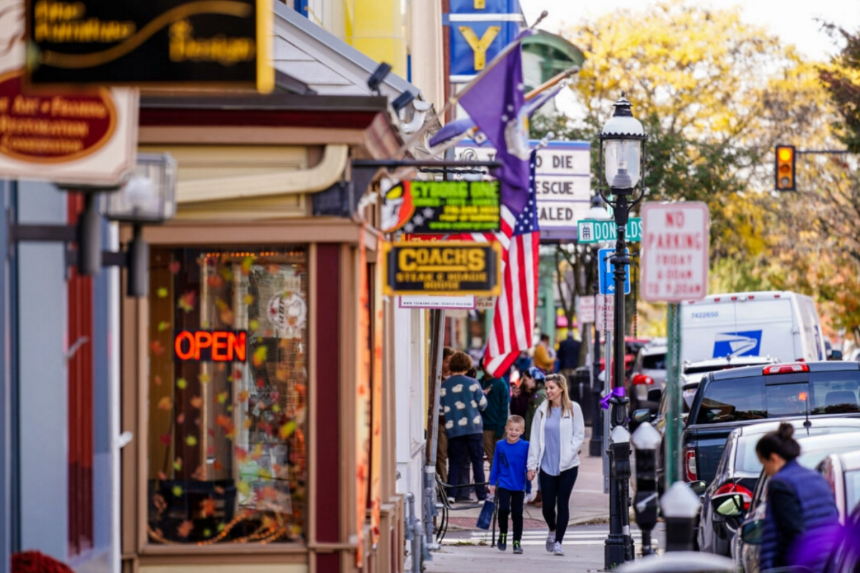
784	175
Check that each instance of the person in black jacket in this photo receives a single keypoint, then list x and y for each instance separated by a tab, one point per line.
568	360
801	520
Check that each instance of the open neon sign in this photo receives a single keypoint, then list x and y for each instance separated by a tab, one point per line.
211	345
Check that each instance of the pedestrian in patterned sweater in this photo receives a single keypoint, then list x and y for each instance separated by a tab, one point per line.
462	401
508	481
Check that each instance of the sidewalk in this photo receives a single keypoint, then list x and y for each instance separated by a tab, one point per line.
588	504
467	552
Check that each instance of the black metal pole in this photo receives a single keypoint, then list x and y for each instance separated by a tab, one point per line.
617	544
595	445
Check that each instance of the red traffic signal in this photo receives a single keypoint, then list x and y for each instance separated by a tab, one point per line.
784	179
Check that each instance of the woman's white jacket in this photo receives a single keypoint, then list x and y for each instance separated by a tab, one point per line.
572	434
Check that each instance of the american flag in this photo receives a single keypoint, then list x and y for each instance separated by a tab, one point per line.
514	317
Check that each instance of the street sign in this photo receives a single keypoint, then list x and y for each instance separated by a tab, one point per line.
674	251
607	272
441	207
442	268
163	43
86	138
563	176
585	309
452	302
594	231
605	313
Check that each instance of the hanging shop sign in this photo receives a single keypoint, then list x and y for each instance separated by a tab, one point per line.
562	183
446	268
211	345
477	31
86	138
441	207
158	43
449	302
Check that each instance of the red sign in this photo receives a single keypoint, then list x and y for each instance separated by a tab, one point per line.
674	255
52	128
211	346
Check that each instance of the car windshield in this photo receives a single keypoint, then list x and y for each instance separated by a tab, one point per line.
852	488
751	398
654	362
747	461
704	368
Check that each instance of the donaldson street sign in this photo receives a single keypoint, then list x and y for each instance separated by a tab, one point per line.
166	43
460	268
592	231
441	207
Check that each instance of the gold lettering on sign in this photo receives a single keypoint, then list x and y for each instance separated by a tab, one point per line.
220	49
62	22
480	45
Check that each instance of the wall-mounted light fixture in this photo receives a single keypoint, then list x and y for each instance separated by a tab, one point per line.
148	196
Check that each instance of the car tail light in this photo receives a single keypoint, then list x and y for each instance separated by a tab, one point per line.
732	488
642	379
785	368
690	465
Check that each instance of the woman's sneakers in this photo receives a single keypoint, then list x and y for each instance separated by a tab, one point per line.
557	550
502	544
518	549
550	542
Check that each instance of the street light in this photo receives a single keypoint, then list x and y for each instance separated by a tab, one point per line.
147	197
622	165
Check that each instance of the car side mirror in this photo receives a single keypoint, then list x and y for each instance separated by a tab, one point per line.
729	505
643	415
751	531
835	355
655	394
698	487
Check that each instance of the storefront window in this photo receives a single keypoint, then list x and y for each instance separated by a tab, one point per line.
227	395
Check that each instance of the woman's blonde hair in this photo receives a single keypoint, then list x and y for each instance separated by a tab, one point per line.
566	405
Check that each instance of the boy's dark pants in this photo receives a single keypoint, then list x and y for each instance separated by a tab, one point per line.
510	503
461	451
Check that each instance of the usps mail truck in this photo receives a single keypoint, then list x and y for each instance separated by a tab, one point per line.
782	325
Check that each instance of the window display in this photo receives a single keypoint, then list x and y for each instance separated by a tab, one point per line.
228	352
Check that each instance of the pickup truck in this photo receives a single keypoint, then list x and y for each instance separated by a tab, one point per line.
728	399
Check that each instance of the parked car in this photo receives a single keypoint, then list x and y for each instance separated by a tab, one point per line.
746	545
781	324
729	399
738	473
842	472
649	373
694	370
846	555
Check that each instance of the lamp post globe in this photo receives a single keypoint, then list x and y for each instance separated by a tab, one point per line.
621	166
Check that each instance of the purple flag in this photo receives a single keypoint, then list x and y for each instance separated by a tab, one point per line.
496	103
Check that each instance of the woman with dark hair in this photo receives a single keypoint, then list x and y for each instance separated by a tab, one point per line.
801	520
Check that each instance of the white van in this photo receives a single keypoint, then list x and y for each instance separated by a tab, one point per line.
782	325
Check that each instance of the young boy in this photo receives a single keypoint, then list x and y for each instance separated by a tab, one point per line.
509	474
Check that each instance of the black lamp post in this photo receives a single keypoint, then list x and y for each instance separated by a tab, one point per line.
622	162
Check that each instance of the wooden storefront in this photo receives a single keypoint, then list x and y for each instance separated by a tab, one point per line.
252	375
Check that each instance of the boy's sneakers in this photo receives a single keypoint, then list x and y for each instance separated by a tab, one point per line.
557	550
518	549
550	541
502	544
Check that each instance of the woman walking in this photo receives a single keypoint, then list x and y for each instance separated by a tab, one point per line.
557	434
801	520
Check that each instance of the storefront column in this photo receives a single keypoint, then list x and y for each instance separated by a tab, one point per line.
326	406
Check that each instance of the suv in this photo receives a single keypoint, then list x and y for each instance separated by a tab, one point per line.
649	372
729	399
